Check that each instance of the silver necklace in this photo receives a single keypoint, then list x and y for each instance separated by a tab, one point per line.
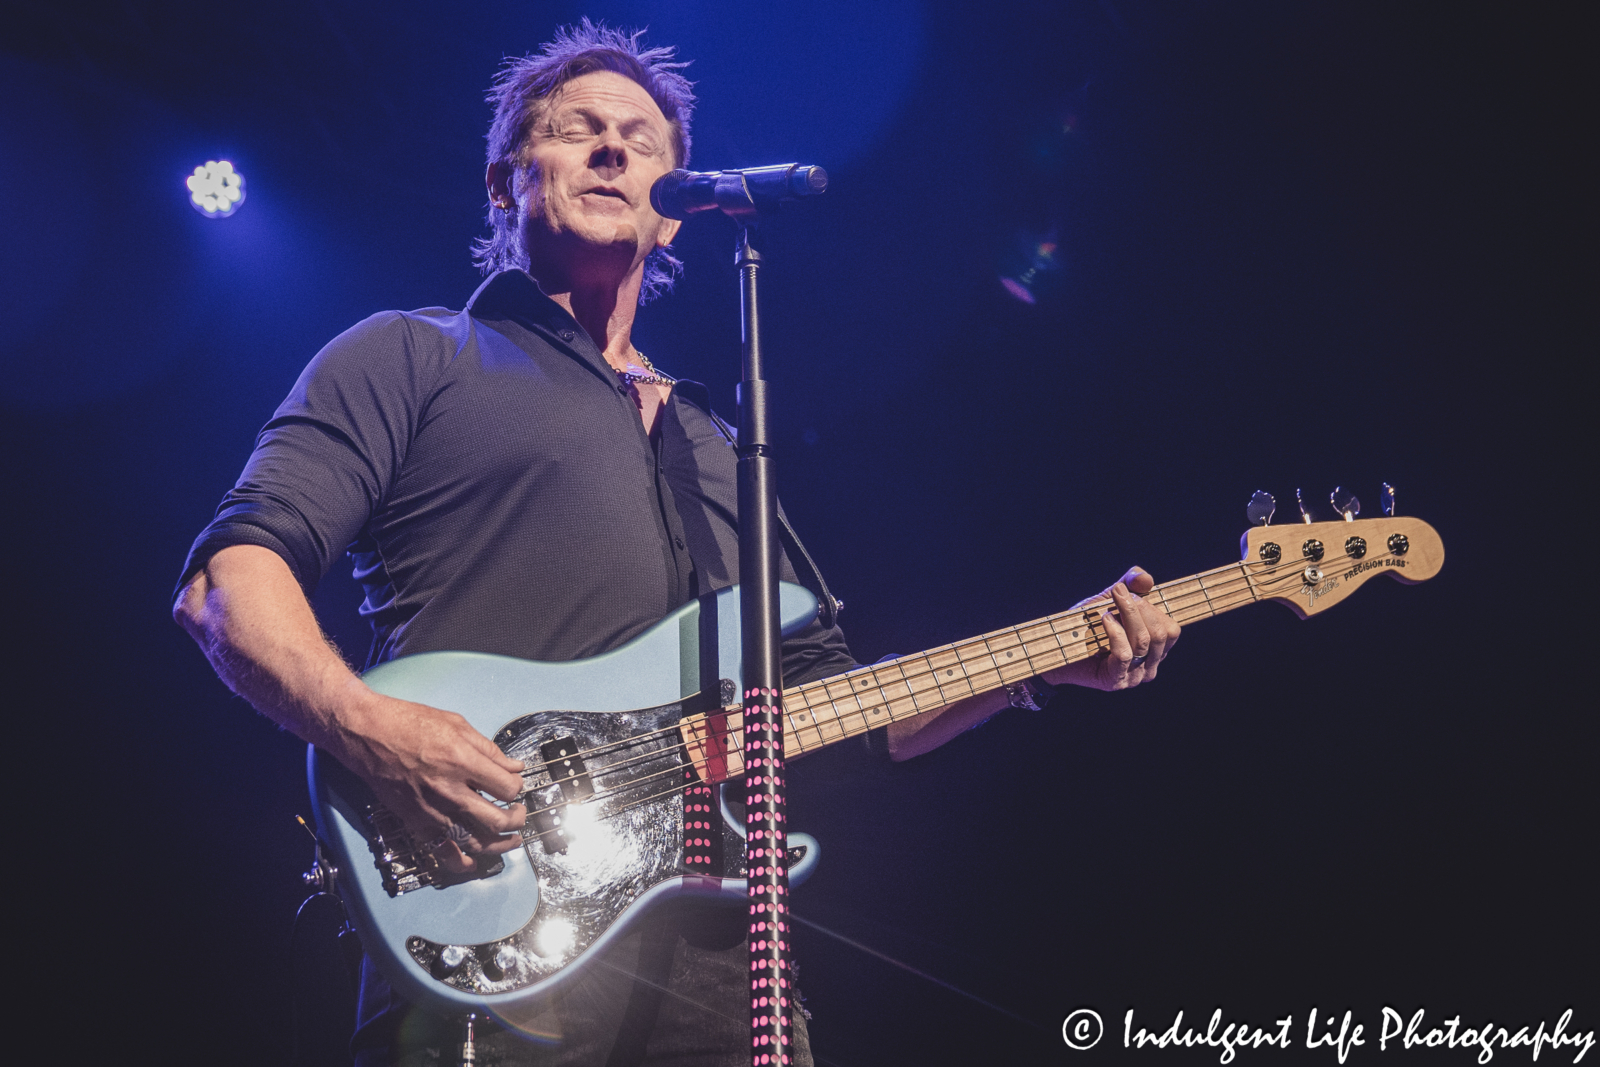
654	377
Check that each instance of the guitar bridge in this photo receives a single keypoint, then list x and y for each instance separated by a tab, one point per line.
402	867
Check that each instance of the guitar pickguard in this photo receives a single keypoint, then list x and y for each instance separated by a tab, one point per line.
609	847
622	835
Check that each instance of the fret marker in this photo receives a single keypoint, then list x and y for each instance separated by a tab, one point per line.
863	682
949	674
1074	633
1008	655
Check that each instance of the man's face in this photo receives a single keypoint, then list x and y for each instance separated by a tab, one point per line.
599	146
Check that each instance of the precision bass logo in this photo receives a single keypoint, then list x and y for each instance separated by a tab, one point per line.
1387	561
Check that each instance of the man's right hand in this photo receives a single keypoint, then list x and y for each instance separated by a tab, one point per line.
427	766
430	768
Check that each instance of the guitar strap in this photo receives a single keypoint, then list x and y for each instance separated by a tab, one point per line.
829	605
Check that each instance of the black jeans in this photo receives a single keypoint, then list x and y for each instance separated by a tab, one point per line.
674	990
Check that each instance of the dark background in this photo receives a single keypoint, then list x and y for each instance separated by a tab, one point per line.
1295	245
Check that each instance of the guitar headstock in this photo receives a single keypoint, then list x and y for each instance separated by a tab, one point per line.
1311	566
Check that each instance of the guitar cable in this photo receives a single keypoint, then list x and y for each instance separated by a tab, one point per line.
305	975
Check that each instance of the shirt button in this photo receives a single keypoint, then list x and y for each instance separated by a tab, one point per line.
679	542
567	335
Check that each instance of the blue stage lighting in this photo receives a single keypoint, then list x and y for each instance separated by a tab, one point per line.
215	189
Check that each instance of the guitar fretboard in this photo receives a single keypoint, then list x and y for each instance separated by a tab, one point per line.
847	705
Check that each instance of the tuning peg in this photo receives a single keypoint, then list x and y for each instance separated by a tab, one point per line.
1300	502
1387	499
1345	503
1261	508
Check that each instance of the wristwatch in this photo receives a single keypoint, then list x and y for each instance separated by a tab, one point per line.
1031	693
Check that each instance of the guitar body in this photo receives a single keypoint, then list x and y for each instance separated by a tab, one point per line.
606	837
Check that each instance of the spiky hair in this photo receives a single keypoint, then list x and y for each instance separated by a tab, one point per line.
522	91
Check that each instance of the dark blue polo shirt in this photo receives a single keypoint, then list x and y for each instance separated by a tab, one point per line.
495	487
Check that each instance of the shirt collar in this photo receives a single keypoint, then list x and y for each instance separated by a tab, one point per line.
513	294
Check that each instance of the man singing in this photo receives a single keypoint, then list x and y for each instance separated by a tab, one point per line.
517	478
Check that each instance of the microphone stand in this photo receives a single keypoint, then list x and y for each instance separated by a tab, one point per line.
766	840
746	196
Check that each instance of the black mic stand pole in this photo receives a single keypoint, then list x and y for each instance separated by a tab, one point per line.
766	841
745	195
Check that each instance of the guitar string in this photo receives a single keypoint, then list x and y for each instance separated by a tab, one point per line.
1203	611
712	736
614	791
1225	588
1195	612
971	643
1190	612
656	796
1185	607
653	796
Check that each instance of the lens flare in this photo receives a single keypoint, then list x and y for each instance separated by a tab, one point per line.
924	975
1040	255
555	937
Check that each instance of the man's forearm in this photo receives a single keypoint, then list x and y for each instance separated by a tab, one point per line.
428	766
248	614
926	732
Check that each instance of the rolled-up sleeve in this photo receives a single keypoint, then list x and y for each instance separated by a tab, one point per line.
325	461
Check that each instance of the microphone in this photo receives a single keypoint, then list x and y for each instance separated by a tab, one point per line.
741	194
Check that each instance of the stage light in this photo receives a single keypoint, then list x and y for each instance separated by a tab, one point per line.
215	189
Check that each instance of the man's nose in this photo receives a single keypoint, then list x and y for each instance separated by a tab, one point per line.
610	157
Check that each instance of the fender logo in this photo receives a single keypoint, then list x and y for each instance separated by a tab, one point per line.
1314	591
1387	561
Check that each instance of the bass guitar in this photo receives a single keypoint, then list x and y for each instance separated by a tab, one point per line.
628	753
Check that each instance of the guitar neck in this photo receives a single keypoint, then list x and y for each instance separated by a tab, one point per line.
847	705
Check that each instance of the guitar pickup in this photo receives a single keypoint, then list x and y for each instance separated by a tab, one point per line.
546	825
567	769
